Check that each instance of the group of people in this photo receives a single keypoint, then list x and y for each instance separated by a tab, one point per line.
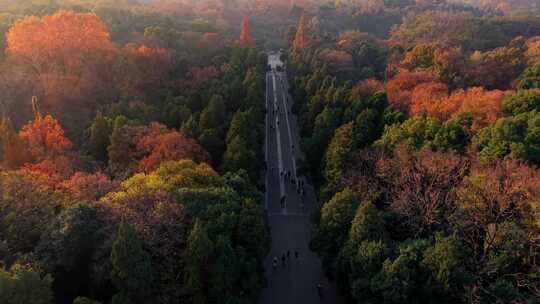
287	175
284	258
300	189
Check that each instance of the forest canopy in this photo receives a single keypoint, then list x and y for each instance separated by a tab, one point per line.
132	163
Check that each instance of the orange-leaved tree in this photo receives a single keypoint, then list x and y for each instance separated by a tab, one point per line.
484	105
426	97
301	39
148	68
45	138
434	100
533	50
161	144
63	41
67	58
401	86
245	35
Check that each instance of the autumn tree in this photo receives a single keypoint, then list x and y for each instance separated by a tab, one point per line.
337	60
495	223
351	40
63	37
446	63
301	39
484	105
498	68
84	186
148	68
45	138
48	147
402	85
426	97
434	100
420	195
167	145
245	35
64	52
533	51
366	88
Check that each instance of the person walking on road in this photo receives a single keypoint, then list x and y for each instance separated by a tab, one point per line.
319	290
296	254
288	254
275	262
283	260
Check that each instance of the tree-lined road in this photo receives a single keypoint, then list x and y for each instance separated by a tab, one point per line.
296	281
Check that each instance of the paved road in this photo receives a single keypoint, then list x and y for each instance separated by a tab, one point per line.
296	280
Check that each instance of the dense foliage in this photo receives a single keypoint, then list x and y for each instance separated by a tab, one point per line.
131	147
135	178
425	153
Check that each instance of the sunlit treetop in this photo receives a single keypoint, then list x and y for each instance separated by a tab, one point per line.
67	35
301	39
245	35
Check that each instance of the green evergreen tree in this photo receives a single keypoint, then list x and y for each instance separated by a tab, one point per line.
119	145
131	265
239	156
190	127
225	270
100	137
337	154
368	224
199	252
213	116
335	222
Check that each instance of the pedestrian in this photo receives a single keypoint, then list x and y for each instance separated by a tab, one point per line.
319	289
275	262
283	260
288	254
296	254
